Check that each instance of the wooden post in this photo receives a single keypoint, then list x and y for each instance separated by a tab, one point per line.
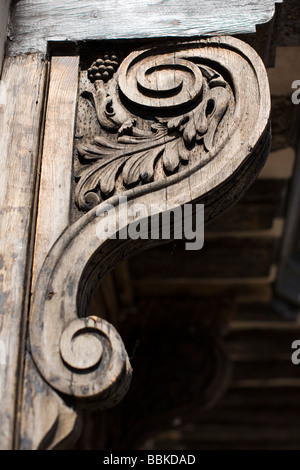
20	121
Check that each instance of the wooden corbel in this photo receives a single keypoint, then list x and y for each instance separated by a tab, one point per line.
183	122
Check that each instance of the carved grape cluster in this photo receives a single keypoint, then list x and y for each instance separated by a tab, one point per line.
103	68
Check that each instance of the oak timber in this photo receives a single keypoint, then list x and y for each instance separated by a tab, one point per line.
57	158
79	260
46	422
20	120
44	414
34	22
116	147
53	217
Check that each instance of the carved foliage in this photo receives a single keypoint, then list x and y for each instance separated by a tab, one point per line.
163	112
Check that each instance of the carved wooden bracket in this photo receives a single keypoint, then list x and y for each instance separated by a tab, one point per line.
182	122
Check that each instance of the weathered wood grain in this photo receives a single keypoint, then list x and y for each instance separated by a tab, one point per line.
34	22
81	257
57	157
73	263
20	120
45	419
73	259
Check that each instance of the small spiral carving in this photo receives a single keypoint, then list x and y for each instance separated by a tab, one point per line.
167	81
94	353
80	345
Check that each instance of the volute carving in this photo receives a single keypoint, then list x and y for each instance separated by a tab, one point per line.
185	122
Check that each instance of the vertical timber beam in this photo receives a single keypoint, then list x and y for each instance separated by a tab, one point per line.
57	159
20	121
52	218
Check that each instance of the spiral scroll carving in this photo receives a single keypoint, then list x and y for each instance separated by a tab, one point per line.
77	341
85	357
162	113
92	345
165	84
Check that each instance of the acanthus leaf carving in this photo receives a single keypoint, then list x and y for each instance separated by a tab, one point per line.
154	107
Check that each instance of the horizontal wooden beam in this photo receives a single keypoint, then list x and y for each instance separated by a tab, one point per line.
267	383
35	22
265	325
276	231
247	289
220	258
267	369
